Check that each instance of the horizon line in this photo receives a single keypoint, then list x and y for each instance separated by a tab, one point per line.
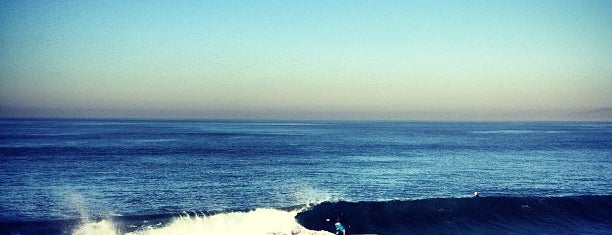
463	115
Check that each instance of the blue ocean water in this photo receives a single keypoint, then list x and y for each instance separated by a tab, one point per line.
278	177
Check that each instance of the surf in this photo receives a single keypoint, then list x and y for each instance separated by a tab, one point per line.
482	215
256	222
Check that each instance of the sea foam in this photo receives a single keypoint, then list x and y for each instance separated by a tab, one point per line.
256	222
103	227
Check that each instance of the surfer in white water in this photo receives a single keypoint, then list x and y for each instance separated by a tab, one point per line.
340	228
341	224
476	194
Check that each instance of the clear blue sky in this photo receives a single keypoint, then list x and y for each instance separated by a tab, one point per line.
406	60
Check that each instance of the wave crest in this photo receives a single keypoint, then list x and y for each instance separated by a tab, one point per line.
103	227
486	215
256	222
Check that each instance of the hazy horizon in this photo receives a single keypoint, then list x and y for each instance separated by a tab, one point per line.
330	60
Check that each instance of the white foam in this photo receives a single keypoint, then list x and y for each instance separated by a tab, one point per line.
256	222
259	221
103	227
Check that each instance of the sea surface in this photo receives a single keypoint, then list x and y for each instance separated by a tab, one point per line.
63	176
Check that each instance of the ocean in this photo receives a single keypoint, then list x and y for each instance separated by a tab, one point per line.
65	176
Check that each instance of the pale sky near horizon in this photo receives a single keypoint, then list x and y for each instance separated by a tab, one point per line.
426	60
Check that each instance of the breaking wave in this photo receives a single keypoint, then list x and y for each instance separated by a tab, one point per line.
484	215
259	221
255	222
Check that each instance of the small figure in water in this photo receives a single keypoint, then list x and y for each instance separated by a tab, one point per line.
339	227
476	194
341	224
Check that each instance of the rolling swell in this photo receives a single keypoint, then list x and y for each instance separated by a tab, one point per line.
484	215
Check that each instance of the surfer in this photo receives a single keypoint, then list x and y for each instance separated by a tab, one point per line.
340	228
341	224
476	194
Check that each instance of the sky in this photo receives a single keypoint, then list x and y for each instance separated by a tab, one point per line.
353	60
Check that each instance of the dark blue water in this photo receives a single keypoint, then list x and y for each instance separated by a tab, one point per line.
169	177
